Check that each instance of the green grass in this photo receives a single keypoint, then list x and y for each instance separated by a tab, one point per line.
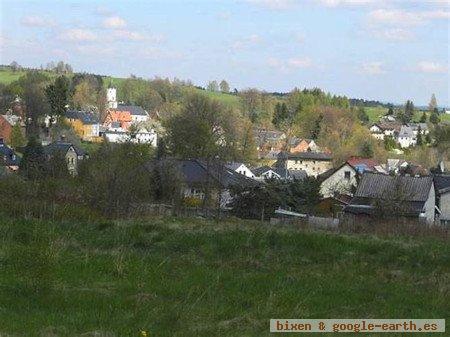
375	113
197	278
227	99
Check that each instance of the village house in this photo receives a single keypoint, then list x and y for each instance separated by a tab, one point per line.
380	195
442	186
85	124
9	161
197	177
116	118
118	135
240	168
137	113
313	163
422	127
72	154
344	179
267	173
303	145
385	129
406	137
7	122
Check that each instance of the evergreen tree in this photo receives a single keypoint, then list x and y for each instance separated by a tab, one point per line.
280	115
17	137
58	96
32	165
423	118
434	117
419	137
433	103
409	111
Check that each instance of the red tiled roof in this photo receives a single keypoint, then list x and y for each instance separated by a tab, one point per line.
368	162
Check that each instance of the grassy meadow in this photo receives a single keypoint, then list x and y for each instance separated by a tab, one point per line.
192	277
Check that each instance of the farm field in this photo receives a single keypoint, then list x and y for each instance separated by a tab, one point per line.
193	277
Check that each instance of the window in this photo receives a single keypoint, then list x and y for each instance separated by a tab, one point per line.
347	175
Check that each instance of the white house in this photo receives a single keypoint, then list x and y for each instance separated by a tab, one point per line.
340	181
241	168
406	137
265	173
377	132
142	136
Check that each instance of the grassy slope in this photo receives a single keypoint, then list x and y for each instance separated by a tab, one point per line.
192	278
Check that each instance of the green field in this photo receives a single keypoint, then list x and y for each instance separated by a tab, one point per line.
375	113
191	277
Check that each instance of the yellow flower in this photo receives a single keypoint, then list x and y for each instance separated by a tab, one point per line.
143	333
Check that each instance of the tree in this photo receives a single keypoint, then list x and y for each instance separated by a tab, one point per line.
85	95
434	117
409	112
203	129
362	115
433	103
423	118
224	86
213	86
32	165
419	136
366	149
390	107
36	103
280	115
17	137
121	180
58	96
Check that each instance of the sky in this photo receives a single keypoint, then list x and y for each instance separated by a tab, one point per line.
387	50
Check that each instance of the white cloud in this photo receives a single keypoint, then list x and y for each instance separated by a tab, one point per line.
129	35
400	17
246	42
37	21
431	67
290	64
395	17
114	22
273	4
392	34
372	68
78	35
336	3
302	62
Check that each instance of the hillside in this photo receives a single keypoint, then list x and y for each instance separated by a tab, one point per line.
7	76
198	278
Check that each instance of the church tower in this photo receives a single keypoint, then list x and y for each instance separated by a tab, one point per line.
111	97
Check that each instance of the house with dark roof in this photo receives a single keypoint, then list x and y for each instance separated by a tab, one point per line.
344	179
380	195
85	124
442	187
240	168
9	161
313	163
278	172
137	113
72	154
198	177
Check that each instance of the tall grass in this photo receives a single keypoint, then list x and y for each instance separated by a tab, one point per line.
191	277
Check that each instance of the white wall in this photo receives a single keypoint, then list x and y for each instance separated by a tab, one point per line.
430	206
337	182
245	171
